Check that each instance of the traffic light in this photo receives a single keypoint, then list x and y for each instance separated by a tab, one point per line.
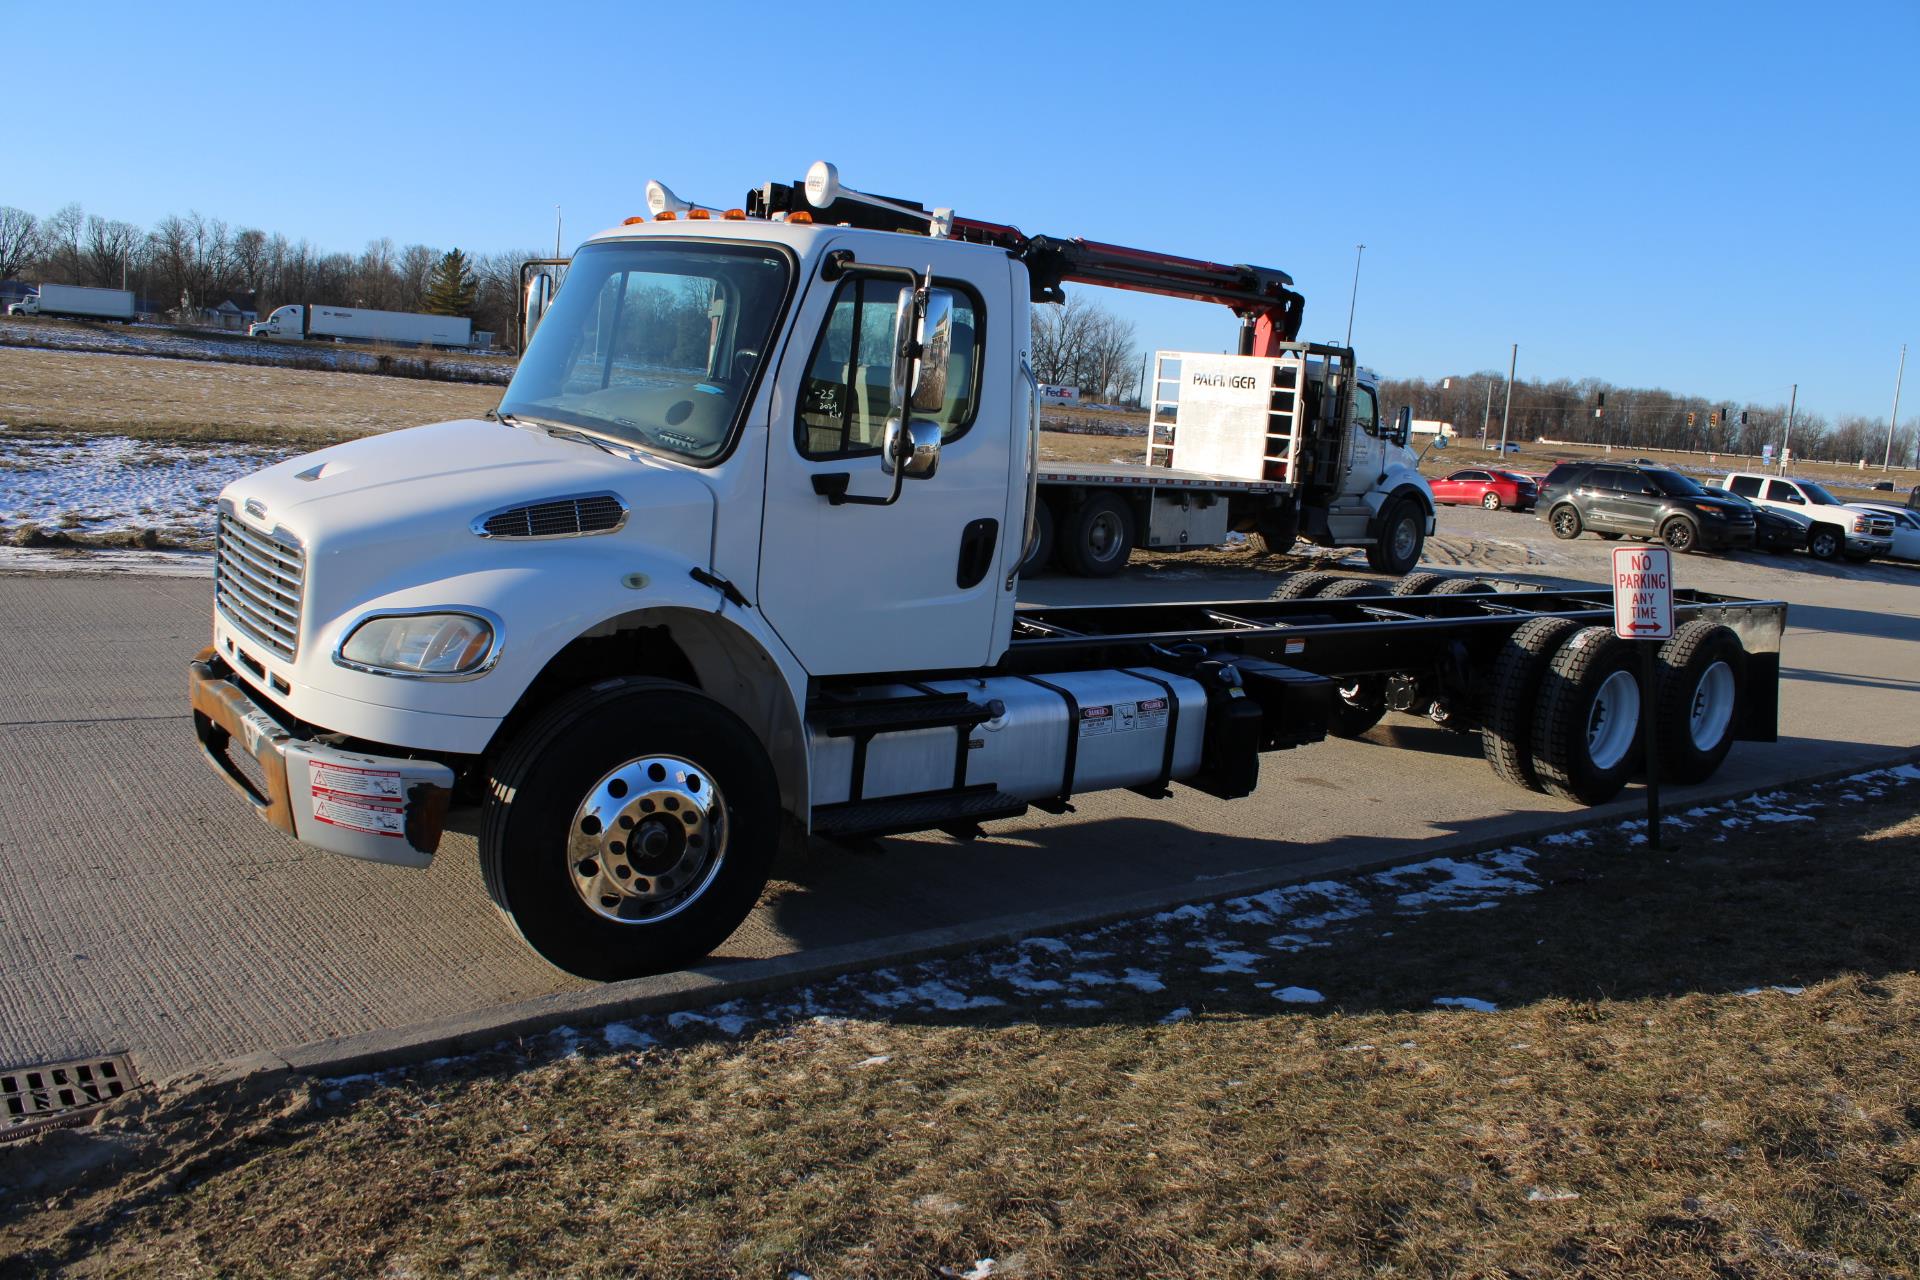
1713	418
1743	417
1689	419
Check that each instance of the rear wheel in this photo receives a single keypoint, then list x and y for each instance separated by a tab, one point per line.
1417	584
1825	542
1279	529
1586	737
1565	522
630	829
1355	587
1490	500
1097	537
1507	709
1301	586
1040	557
1702	679
1399	537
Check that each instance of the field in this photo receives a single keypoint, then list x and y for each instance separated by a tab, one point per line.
1581	1058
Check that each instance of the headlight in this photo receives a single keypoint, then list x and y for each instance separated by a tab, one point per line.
1710	509
420	644
1859	524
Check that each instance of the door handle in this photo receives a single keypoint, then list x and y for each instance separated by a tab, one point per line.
976	551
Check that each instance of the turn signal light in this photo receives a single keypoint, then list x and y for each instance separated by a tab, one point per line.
665	215
735	215
627	222
800	215
698	215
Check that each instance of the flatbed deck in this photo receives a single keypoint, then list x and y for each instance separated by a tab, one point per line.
1121	474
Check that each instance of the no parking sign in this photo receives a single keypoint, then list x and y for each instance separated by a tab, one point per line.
1643	593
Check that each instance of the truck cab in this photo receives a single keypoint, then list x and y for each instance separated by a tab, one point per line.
281	322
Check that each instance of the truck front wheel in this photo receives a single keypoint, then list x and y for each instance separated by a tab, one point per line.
1825	542
1399	538
1098	537
630	829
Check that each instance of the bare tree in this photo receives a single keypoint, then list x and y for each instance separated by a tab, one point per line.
108	250
60	246
19	240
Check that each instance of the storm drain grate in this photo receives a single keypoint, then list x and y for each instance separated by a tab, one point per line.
57	1093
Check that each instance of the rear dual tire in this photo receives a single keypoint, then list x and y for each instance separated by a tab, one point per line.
1097	537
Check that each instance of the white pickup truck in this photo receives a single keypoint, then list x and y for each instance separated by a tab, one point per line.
737	556
1834	528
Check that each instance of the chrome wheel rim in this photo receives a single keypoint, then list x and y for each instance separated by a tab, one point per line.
1822	546
1563	521
1612	719
1679	537
1711	710
647	840
1103	536
1491	501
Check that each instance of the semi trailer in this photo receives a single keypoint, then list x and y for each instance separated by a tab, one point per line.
357	324
737	558
77	302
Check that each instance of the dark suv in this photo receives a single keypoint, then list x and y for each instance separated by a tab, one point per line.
1621	499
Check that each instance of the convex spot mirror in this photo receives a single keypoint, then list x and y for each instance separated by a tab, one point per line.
915	447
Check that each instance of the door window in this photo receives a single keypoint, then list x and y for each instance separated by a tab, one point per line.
1745	486
1470	475
1366	412
844	402
1781	491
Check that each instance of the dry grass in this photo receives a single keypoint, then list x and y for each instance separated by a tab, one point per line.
1626	1113
54	392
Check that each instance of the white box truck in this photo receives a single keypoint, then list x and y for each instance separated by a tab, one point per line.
357	324
78	302
738	554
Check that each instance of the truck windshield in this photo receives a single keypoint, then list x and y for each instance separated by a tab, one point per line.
654	343
1673	484
1817	496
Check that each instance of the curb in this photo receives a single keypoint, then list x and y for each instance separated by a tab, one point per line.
481	1029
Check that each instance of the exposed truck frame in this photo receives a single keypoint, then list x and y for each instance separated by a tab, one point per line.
737	557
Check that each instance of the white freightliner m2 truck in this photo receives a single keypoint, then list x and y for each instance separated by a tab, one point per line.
737	556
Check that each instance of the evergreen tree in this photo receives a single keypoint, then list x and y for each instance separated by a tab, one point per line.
451	289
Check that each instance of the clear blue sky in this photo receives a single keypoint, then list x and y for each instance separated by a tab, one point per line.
1718	199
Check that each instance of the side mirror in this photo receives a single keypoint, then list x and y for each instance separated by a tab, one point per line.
936	353
1403	425
539	298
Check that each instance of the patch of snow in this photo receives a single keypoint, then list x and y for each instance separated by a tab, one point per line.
1774	815
1538	1194
1466	1002
877	1060
731	1024
1178	1015
935	993
619	1035
1234	962
1082	1004
1298	995
108	483
1054	945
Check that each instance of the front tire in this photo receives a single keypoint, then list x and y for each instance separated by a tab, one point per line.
1098	537
1679	535
1401	536
1825	542
630	829
1565	522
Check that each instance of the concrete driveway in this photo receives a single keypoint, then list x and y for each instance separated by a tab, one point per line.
143	908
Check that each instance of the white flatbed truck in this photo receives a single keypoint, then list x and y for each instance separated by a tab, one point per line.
737	557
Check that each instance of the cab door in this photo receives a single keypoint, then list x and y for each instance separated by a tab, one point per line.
913	586
1364	448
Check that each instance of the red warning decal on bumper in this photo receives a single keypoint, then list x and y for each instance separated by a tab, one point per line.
368	800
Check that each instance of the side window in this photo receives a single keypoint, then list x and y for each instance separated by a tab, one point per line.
1471	475
1602	479
843	403
1366	412
1781	491
1745	486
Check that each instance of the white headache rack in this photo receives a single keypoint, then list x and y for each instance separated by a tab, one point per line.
1233	416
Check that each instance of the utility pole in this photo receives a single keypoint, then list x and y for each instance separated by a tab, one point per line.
1898	378
1357	251
1487	416
556	231
1792	402
1513	362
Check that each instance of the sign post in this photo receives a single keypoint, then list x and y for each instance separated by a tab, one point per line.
1643	612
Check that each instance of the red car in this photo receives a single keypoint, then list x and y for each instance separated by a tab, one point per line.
1487	487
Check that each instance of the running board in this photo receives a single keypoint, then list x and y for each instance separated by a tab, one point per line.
894	815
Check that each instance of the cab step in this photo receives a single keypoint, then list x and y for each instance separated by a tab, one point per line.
927	811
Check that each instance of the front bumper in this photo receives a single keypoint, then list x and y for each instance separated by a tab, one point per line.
1725	535
380	808
1865	546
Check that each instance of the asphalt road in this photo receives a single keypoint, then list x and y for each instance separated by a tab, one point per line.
143	908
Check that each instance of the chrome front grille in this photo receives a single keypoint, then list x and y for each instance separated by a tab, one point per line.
257	579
